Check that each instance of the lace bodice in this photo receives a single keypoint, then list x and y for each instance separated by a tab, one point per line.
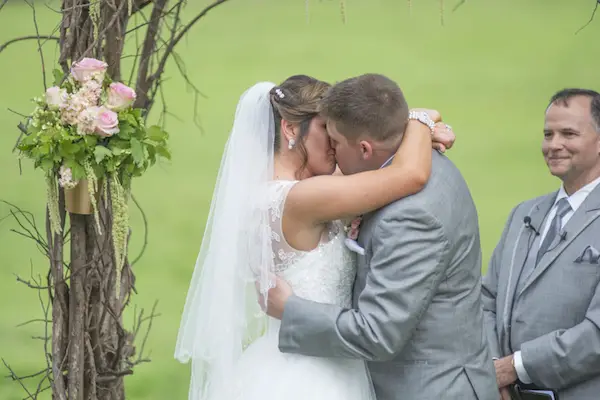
325	274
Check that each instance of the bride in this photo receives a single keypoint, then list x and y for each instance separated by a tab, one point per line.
277	209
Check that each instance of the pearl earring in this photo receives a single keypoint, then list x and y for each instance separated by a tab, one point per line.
291	144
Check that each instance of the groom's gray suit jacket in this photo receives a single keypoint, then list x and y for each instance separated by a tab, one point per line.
417	314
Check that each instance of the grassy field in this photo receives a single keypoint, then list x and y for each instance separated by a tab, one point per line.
490	69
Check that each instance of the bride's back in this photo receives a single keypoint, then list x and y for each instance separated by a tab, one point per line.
325	274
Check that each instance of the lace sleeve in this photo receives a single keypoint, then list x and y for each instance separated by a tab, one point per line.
283	254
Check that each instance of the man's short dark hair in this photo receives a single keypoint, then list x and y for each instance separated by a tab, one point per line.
369	104
563	96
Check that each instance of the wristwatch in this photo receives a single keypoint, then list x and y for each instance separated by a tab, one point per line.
423	118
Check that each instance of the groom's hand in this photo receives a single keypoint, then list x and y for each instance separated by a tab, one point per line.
505	394
277	297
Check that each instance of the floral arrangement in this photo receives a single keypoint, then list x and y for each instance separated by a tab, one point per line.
85	131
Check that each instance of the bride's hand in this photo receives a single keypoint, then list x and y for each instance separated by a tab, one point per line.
443	137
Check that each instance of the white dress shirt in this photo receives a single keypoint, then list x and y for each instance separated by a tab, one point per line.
575	201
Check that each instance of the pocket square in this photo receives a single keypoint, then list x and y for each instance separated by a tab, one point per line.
589	255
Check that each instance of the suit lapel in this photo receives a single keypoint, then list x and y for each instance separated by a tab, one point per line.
583	217
524	242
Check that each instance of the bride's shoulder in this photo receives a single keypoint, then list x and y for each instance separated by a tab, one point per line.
278	189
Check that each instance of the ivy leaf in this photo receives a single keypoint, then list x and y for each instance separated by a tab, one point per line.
137	151
100	152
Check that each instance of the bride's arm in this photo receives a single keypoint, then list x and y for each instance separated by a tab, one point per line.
327	198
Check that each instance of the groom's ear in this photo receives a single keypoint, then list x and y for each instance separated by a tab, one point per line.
366	150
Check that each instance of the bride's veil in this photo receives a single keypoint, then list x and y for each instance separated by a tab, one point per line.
221	311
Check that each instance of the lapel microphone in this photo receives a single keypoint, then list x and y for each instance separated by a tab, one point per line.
563	236
527	222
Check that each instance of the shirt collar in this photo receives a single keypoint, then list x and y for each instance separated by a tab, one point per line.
388	162
576	199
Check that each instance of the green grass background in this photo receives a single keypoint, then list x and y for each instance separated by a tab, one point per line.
489	69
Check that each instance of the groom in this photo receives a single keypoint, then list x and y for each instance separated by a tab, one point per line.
416	317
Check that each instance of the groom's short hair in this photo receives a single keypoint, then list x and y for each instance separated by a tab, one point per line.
370	104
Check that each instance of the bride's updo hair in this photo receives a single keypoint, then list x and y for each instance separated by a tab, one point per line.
297	100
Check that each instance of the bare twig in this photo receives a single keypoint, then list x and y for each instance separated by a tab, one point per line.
141	320
37	33
145	244
161	66
458	5
31	321
591	18
144	82
22	38
14	377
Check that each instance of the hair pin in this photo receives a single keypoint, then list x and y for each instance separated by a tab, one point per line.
279	93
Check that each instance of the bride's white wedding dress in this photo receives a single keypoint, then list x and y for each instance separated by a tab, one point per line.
325	274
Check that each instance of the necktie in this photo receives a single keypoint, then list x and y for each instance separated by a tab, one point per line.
562	208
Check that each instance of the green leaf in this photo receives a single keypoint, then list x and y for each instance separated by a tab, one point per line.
90	140
69	148
47	164
118	143
137	151
44	149
77	170
151	143
99	171
157	134
132	120
100	152
163	152
126	130
58	76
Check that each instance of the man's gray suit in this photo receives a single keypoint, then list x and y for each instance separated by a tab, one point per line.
552	314
417	316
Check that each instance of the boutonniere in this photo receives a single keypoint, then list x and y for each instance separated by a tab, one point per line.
352	231
353	228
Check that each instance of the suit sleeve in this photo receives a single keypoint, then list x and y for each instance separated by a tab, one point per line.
409	257
489	291
566	357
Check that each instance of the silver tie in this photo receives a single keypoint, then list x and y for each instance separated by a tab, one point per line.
562	208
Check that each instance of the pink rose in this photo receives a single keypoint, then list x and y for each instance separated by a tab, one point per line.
56	97
107	122
120	96
353	234
88	68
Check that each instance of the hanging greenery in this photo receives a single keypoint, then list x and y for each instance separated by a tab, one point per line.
86	132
